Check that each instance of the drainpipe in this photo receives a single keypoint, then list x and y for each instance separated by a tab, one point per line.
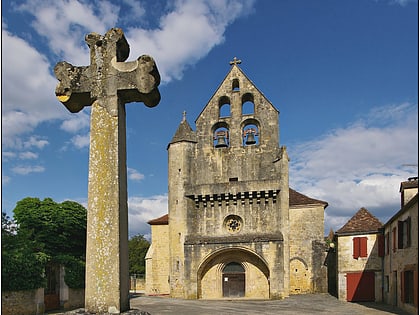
382	232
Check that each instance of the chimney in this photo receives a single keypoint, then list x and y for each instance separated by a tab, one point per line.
408	190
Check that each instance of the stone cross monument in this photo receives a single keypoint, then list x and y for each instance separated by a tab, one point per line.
107	85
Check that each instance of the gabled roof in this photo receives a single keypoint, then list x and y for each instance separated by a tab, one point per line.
163	220
298	199
184	133
362	222
234	67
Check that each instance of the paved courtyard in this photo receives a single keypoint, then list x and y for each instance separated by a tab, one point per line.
297	304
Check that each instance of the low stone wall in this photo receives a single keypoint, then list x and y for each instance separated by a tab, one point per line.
76	299
28	302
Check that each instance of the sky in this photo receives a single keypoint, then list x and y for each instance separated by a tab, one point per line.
343	75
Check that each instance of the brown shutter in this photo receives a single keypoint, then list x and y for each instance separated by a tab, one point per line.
356	247
381	245
363	247
394	239
400	234
408	231
402	287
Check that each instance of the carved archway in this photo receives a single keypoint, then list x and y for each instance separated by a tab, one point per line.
210	273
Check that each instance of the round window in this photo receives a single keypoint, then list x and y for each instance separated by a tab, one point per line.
233	223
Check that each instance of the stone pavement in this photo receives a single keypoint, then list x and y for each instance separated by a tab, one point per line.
296	304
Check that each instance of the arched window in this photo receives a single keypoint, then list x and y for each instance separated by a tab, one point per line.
248	104
233	267
224	106
235	85
250	134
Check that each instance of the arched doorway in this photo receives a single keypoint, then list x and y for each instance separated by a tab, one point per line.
233	279
244	269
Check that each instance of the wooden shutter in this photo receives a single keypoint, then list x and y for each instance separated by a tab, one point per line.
363	247
356	247
394	239
381	245
402	287
416	287
400	234
408	222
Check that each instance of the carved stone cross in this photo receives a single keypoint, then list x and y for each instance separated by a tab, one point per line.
107	85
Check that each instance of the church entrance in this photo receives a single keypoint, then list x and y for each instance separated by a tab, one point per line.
233	279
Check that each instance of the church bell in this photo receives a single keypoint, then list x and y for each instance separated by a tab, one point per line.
221	141
250	139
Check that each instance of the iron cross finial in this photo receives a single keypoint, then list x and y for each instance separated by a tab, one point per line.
235	61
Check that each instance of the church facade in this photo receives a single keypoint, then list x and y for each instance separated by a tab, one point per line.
234	227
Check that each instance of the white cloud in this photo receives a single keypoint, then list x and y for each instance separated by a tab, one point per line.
25	170
134	174
359	166
186	34
143	209
77	122
34	141
81	141
64	24
28	155
27	94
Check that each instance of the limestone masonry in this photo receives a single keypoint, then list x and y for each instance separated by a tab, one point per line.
234	227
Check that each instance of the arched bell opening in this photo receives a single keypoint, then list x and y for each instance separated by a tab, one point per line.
224	107
250	133
221	136
232	273
248	106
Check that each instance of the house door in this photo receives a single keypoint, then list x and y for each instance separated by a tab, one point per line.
360	286
233	279
51	291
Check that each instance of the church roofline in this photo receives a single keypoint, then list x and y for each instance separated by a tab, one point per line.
234	65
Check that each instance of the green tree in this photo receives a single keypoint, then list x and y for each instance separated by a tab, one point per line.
137	249
43	232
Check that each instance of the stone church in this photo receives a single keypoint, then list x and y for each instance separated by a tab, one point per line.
235	228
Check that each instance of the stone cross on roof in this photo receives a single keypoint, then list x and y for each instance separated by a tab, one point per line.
235	61
107	85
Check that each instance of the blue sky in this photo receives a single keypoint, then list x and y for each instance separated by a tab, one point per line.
343	74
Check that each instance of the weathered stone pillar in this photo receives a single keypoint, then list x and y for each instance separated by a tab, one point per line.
107	84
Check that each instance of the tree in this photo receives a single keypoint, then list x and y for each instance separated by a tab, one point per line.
137	249
43	232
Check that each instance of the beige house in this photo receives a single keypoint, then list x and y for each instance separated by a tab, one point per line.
234	227
401	259
358	259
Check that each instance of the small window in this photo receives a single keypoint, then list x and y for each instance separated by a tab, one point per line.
387	243
359	247
381	245
394	239
404	233
235	85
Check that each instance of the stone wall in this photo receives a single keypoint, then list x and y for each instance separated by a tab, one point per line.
157	262
307	250
28	302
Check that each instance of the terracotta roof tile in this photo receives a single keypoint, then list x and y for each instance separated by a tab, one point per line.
163	220
363	221
298	199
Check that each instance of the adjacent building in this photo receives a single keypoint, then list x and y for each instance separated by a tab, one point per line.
401	251
358	265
